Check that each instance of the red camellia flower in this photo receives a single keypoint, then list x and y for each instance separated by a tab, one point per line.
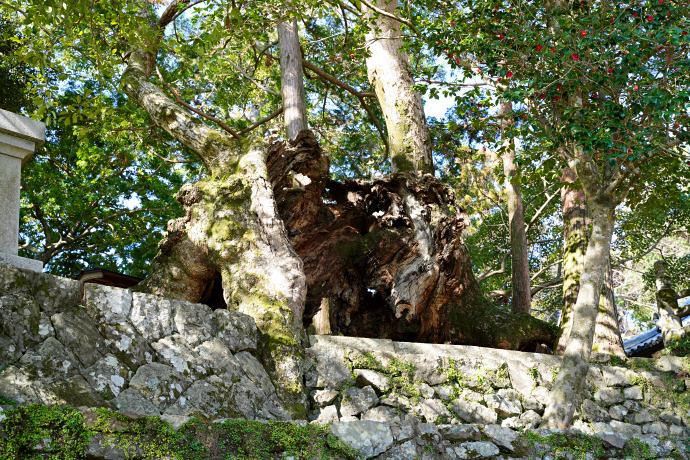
650	18
556	98
684	32
501	36
634	15
576	56
610	70
559	86
539	47
509	74
352	56
635	88
583	33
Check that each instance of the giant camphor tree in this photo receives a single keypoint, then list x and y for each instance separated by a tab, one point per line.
381	258
607	85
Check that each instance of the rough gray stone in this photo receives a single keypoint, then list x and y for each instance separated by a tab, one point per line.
503	407
74	391
503	437
130	401
160	384
532	403
237	330
616	376
20	318
609	395
326	415
56	294
593	413
618	412
529	419
460	433
670	418
378	381
273	409
205	397
428	432
677	431
382	414
330	370
252	369
427	368
323	397
102	448
425	390
106	304
612	439
152	316
16	281
396	400
632	406
478	449
217	356
523	378
472	412
194	321
625	429
357	400
365	436
432	410
406	429
633	393
176	421
50	360
641	417
247	398
443	392
657	428
175	351
108	376
17	385
9	353
77	331
405	451
125	342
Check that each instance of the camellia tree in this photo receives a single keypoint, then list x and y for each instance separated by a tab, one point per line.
606	85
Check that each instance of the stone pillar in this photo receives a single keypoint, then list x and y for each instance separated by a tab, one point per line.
19	138
669	323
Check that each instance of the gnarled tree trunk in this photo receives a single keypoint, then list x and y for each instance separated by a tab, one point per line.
386	258
231	232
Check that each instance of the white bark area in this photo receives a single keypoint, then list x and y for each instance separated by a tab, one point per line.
291	80
389	73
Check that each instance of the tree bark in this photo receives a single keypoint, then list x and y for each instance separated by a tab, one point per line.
565	394
389	73
607	332
670	324
574	247
521	300
232	230
607	337
291	80
386	257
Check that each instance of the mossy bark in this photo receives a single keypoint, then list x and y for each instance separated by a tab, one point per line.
230	229
389	73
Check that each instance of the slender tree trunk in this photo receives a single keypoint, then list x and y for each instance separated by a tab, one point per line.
607	332
607	337
670	324
518	240
574	247
389	74
291	80
565	395
232	230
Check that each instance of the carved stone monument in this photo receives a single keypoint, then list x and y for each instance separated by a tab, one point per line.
19	138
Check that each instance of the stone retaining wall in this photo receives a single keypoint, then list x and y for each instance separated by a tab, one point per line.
380	380
64	342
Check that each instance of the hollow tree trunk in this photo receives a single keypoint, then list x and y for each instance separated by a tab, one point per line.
518	239
231	230
386	258
291	80
389	73
565	394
